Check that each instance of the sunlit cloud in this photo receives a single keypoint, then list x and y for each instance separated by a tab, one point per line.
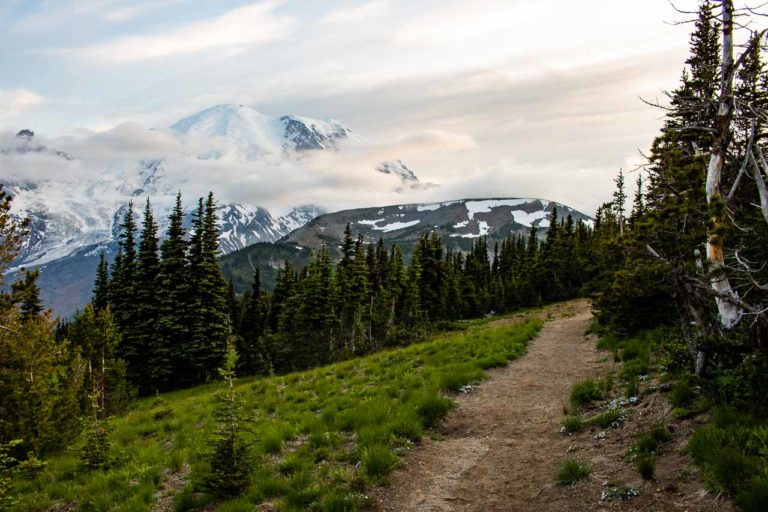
244	26
14	102
356	13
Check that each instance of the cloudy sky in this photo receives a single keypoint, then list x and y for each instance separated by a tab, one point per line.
485	97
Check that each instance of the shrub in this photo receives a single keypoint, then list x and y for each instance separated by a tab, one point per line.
571	471
9	467
646	466
378	460
95	451
754	496
585	391
721	455
230	467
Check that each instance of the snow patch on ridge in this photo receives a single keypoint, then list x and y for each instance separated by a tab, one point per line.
474	207
527	219
394	226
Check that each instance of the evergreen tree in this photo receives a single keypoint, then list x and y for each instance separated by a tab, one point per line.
233	305
26	293
620	200
122	290
95	334
210	328
100	299
253	358
152	353
230	467
173	298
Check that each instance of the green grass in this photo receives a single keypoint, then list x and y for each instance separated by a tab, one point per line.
732	454
319	437
571	424
588	390
648	442
646	466
571	471
607	419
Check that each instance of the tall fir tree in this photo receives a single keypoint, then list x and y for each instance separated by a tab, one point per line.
173	297
100	298
155	357
252	356
210	328
26	293
122	289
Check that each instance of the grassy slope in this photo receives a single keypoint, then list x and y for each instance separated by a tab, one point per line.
321	436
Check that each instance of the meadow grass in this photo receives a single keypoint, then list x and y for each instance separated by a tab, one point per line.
571	471
319	438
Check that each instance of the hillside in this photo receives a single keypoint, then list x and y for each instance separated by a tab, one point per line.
458	223
322	436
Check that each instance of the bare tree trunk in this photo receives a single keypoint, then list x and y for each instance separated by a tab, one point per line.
729	313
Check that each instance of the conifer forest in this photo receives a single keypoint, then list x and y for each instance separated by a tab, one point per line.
171	390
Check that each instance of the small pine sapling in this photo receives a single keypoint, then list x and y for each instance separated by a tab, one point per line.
230	468
10	468
95	451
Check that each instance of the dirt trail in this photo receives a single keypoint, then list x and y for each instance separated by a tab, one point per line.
501	444
500	447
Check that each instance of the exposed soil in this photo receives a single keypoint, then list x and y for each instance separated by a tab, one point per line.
499	449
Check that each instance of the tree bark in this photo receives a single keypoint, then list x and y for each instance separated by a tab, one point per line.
729	314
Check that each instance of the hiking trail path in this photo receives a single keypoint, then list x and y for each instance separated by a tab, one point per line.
499	448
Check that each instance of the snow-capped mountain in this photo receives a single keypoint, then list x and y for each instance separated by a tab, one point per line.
407	177
397	168
243	225
76	195
24	143
242	133
458	222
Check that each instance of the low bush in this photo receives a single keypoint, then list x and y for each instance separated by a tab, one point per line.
731	456
754	496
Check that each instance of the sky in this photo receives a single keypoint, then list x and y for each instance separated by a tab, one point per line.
488	98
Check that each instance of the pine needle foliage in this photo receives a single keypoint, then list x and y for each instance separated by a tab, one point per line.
230	467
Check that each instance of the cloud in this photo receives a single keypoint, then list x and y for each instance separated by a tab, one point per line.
14	102
241	27
124	14
435	140
356	13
